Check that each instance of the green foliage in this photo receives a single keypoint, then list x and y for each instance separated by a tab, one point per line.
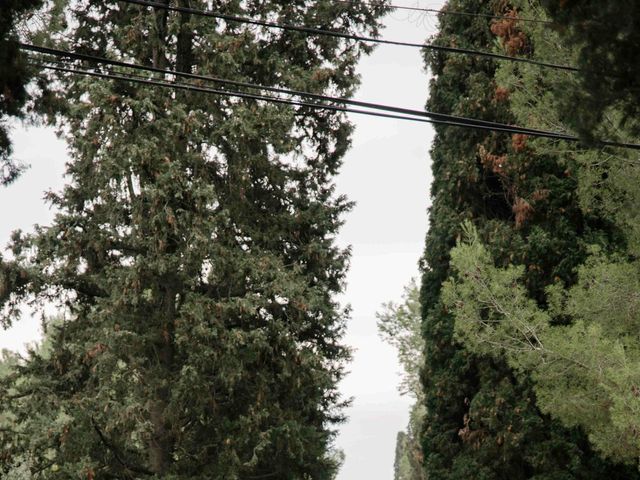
478	322
14	76
408	457
574	336
606	178
194	253
401	463
482	420
605	37
400	326
587	372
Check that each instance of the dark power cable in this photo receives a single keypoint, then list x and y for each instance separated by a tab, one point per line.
319	106
315	96
348	36
227	93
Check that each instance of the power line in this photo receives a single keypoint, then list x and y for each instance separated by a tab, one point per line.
227	93
319	106
347	36
235	83
446	11
442	118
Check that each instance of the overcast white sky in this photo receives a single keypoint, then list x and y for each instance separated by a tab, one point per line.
387	172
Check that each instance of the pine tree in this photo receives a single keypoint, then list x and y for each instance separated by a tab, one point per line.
14	76
482	420
194	253
585	370
399	326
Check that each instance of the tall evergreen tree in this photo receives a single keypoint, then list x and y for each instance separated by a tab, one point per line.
579	343
194	252
14	76
482	421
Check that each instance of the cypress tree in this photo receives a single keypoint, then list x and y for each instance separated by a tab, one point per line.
576	343
481	418
193	253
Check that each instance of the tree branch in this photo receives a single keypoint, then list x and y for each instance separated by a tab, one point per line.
128	466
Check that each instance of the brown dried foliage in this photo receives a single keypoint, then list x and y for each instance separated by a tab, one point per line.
507	29
97	349
522	210
540	194
494	163
501	94
519	142
467	435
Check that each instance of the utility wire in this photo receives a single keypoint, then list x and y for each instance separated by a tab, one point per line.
345	101
319	106
227	93
447	11
348	36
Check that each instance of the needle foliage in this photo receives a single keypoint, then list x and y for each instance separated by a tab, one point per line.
577	338
193	255
483	417
14	77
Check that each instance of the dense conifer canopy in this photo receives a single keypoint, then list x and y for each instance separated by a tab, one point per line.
194	268
576	339
482	420
193	256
